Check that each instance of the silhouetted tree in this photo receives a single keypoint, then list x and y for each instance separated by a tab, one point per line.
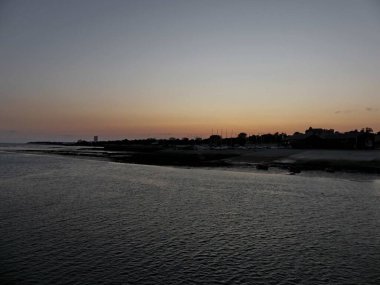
242	138
215	140
367	130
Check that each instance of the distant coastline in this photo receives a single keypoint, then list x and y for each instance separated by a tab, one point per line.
316	149
261	158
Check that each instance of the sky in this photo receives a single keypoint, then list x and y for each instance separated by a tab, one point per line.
73	69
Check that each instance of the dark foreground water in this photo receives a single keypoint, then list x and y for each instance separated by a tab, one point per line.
74	221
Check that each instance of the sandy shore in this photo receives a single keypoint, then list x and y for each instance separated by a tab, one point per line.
326	160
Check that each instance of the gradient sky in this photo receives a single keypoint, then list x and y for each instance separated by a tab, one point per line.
125	69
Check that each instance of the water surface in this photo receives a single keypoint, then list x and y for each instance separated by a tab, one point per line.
66	220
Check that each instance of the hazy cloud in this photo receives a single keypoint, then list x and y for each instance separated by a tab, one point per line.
343	111
369	109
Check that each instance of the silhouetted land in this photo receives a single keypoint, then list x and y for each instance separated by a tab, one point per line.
317	149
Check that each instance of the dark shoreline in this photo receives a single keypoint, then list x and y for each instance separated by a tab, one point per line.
286	160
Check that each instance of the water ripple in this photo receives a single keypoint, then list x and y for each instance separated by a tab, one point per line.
73	221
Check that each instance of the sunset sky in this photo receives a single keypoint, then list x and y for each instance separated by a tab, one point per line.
70	70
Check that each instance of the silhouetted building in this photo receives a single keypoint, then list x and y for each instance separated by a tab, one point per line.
328	139
319	131
95	138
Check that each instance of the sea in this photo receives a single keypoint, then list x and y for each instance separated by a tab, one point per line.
65	220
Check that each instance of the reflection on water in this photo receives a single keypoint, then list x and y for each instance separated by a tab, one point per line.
80	221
